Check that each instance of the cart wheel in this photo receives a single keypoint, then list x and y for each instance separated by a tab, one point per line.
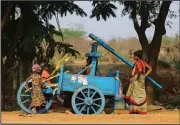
25	101
88	100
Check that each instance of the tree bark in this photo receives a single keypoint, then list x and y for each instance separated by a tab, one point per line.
140	29
10	62
155	45
7	14
25	8
152	50
2	85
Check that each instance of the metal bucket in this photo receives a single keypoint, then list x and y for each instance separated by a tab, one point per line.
120	104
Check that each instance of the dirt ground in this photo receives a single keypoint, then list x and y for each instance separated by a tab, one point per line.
158	117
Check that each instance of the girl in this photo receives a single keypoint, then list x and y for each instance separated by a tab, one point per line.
136	93
38	98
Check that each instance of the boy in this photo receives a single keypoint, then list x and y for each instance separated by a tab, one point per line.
45	74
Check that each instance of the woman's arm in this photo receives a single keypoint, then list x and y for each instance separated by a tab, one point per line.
149	69
133	70
27	80
132	73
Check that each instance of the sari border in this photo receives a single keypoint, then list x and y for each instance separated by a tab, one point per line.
137	111
133	101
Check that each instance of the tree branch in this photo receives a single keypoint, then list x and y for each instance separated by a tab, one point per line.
136	24
160	23
154	47
144	13
141	33
134	17
163	12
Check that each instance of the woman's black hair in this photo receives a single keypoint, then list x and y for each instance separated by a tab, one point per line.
138	53
46	65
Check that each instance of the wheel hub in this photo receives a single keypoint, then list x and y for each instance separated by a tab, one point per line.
88	101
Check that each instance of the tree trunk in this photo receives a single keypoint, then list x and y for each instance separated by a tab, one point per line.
4	78
152	50
6	15
24	70
2	85
144	43
154	47
18	80
15	83
10	54
153	54
149	88
21	72
25	9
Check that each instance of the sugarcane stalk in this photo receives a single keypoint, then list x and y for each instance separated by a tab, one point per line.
45	81
61	62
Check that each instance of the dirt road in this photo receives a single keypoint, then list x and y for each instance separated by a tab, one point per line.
158	117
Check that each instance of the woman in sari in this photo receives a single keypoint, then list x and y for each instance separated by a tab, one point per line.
136	94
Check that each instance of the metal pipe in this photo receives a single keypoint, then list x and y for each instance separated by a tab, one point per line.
103	44
84	69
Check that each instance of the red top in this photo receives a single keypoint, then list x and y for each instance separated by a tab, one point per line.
140	66
45	75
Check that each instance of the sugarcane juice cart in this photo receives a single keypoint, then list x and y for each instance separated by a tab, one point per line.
89	92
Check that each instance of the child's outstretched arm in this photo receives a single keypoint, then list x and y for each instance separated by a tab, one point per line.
27	81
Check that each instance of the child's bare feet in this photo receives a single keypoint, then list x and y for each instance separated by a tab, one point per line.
21	113
27	115
34	111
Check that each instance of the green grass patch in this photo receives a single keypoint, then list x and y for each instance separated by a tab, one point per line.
164	64
176	64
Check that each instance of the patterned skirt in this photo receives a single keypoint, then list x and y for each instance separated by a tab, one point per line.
38	98
136	95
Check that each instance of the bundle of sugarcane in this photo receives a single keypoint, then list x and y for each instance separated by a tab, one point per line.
61	62
58	66
49	85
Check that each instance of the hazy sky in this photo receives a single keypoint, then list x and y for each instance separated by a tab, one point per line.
113	27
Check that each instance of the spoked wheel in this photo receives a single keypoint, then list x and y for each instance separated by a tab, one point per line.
25	100
88	100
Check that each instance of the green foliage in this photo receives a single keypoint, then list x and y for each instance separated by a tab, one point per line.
176	64
35	38
163	64
103	9
77	32
145	9
171	40
166	39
